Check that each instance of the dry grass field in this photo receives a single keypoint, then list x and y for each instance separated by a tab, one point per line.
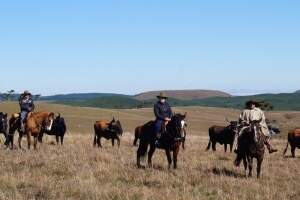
79	171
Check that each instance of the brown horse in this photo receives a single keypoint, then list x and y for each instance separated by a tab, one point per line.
251	145
170	141
36	122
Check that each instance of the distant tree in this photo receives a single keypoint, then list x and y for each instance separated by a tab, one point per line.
267	106
37	97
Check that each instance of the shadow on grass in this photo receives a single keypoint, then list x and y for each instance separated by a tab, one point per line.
226	172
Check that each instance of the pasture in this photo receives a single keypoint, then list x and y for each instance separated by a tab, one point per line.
77	170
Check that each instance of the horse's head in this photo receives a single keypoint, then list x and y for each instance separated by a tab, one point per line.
49	121
177	125
3	122
116	126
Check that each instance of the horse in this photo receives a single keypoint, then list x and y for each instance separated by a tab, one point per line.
35	124
251	145
170	140
108	130
138	130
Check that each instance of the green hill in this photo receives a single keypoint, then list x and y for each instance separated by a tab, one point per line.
286	101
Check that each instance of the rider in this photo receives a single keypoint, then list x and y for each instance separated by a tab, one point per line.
258	115
163	114
254	113
26	105
244	121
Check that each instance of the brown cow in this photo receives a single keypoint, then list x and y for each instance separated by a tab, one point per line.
294	141
35	123
109	130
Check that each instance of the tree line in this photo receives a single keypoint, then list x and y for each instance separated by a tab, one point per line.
11	95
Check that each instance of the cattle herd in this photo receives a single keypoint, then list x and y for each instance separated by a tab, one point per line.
250	145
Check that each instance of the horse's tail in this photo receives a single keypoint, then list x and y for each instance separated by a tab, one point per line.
143	148
287	146
209	142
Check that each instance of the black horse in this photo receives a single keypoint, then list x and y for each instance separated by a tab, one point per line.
251	145
3	124
170	140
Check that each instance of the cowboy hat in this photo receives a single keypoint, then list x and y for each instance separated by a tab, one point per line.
252	102
162	95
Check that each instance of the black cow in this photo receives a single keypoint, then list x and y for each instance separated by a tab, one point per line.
3	123
222	135
58	129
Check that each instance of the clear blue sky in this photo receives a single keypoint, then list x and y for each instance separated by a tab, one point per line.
129	46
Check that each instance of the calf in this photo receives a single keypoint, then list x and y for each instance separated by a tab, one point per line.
222	135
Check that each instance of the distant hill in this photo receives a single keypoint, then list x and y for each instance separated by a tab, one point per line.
287	101
77	96
298	91
183	94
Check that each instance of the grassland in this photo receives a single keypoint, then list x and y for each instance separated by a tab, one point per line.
79	171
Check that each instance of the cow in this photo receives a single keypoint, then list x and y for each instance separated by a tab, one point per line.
58	130
3	124
223	135
294	141
109	130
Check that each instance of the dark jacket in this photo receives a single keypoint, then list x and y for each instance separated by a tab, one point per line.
162	111
26	103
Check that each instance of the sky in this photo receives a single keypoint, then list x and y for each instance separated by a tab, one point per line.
131	46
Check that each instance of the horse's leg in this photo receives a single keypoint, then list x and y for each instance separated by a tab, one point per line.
259	163
57	139
175	155
250	162
29	140
20	140
150	154
142	150
183	144
231	147
62	140
95	140
245	165
225	148
168	153
214	143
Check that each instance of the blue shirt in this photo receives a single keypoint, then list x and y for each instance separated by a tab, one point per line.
162	110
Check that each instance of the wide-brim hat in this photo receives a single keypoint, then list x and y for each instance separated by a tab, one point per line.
252	102
162	95
26	92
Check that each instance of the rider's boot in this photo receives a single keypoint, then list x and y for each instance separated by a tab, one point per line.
270	148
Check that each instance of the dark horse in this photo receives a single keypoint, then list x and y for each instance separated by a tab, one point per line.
251	145
138	131
170	140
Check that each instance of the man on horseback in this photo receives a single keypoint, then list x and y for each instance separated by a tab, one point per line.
27	105
163	114
251	114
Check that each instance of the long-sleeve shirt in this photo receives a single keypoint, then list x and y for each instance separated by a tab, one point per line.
162	110
26	103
